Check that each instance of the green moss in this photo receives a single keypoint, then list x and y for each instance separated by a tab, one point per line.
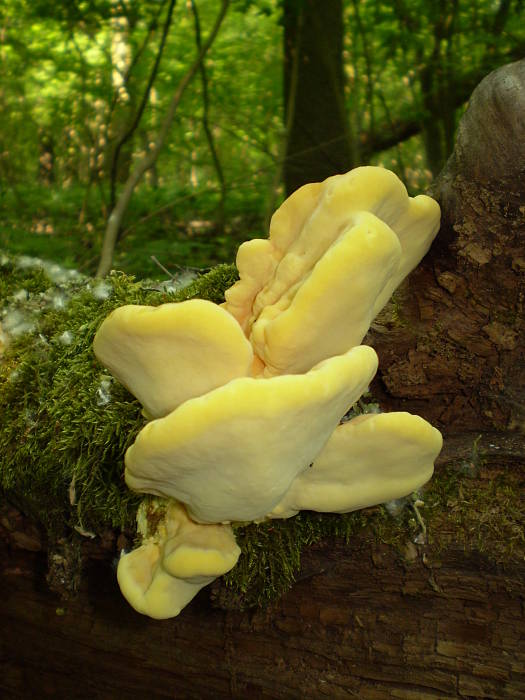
480	508
485	515
13	278
271	552
65	423
212	285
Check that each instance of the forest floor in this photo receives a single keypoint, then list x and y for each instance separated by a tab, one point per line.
160	231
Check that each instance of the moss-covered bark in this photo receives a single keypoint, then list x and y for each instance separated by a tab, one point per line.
65	423
66	426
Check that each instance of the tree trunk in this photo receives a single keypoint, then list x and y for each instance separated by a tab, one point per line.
363	621
318	138
454	350
437	88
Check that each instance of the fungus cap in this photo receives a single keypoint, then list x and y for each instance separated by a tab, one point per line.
161	577
303	230
331	310
232	454
167	354
371	459
149	588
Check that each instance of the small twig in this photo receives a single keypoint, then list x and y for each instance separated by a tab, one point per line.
415	507
159	264
182	268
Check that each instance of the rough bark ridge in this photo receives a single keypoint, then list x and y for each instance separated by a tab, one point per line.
456	353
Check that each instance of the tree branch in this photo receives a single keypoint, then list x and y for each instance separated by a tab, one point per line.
115	219
140	111
205	121
389	135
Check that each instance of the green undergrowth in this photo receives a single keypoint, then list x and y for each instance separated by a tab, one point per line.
65	426
176	227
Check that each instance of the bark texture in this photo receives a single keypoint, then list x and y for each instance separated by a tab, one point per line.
454	350
363	621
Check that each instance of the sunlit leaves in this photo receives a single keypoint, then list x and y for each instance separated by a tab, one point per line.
56	82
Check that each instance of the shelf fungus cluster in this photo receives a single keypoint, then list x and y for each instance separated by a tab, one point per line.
245	400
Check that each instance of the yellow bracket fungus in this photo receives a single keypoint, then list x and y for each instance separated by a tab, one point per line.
168	354
232	454
371	459
336	252
247	398
171	566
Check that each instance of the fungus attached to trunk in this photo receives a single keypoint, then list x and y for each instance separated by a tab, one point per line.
248	398
180	557
370	459
232	454
336	252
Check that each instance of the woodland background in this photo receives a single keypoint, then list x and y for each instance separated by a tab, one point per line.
290	91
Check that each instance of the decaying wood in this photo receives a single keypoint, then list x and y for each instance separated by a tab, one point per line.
455	352
364	620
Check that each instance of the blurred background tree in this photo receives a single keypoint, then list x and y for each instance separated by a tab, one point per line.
318	139
289	91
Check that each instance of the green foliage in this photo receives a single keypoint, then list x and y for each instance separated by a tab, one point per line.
65	101
47	226
57	80
408	65
411	66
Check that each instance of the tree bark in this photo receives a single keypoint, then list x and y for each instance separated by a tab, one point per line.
318	138
363	621
454	349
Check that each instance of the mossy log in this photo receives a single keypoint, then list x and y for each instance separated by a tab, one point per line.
426	602
364	620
